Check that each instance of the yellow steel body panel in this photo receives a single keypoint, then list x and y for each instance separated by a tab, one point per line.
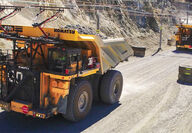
17	106
63	34
57	86
184	25
89	72
2	75
60	76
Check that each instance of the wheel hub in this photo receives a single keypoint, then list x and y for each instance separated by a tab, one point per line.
115	89
83	101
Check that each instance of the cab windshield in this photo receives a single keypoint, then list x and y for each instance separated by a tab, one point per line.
57	55
57	60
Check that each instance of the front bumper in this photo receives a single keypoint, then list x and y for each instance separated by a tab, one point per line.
24	108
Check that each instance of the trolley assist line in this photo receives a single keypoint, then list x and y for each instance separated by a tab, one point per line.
2	8
42	9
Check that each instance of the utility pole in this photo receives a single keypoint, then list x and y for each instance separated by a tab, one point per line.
160	41
161	26
161	29
138	5
188	14
98	20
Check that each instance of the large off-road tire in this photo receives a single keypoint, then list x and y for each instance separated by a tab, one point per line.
79	101
111	87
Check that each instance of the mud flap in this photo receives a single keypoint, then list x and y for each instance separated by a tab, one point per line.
62	105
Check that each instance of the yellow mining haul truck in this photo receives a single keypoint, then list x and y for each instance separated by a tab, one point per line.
51	71
184	37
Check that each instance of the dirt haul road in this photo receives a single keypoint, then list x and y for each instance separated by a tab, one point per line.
152	101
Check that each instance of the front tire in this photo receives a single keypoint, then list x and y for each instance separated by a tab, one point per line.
79	101
111	87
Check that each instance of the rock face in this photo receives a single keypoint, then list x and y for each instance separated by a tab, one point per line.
113	22
84	30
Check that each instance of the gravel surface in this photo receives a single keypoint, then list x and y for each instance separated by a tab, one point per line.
152	102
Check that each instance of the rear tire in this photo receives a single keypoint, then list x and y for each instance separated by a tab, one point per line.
79	101
111	87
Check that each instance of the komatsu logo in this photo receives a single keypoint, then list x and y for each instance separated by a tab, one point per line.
65	31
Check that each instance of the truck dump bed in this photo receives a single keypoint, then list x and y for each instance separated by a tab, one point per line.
115	51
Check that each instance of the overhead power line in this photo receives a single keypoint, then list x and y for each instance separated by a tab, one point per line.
96	6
